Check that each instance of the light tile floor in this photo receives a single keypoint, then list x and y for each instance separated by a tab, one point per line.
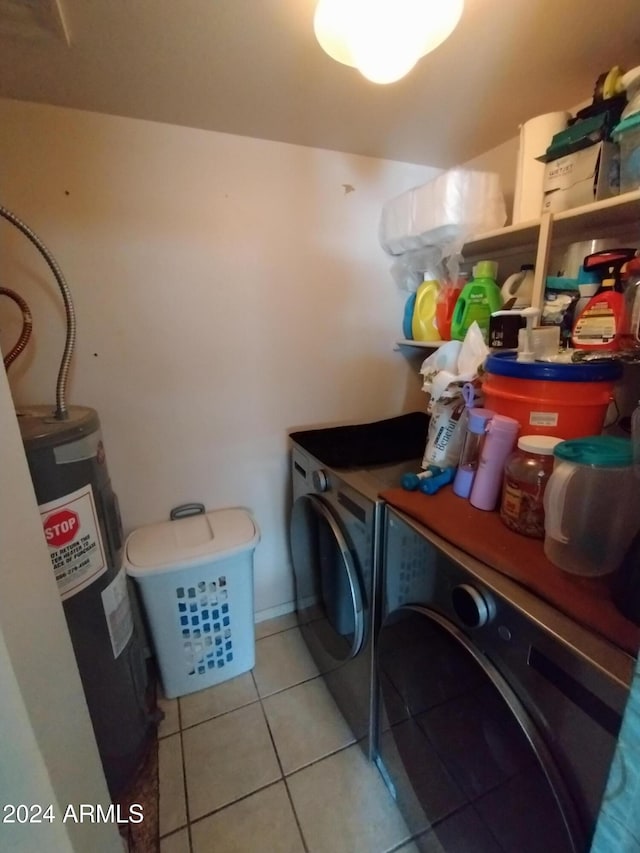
265	763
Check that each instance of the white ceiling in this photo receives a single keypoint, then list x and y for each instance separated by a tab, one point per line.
253	67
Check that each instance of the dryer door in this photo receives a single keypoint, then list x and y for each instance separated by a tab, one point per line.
328	592
458	750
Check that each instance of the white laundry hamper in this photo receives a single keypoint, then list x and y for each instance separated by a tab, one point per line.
195	576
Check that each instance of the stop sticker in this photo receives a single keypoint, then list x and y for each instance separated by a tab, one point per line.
72	531
61	527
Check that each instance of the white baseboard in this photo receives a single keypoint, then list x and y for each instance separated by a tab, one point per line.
274	612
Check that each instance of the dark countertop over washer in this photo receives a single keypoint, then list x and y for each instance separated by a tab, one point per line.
484	537
383	442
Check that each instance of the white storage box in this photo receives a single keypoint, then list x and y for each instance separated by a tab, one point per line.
195	576
580	178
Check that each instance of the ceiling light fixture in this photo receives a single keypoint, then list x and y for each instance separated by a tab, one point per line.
384	39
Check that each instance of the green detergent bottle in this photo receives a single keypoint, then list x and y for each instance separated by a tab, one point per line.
480	297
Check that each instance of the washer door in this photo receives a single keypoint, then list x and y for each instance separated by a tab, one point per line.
460	753
328	592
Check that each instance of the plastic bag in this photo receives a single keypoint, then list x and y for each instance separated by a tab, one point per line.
560	299
447	369
445	434
410	269
445	372
444	212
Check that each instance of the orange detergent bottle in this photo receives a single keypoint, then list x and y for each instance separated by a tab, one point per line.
447	298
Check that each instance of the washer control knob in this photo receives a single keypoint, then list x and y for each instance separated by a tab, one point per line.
320	480
472	607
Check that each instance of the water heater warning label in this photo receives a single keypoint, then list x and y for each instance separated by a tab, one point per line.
73	536
115	600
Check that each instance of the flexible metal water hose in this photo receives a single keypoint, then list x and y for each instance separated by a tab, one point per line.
61	412
27	325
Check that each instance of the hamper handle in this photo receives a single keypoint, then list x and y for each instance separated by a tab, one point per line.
185	510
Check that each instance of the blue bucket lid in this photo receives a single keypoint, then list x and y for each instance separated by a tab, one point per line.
599	451
505	364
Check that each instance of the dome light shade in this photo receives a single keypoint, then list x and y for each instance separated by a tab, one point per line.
384	39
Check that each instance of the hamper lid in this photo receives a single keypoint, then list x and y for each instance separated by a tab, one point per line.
167	545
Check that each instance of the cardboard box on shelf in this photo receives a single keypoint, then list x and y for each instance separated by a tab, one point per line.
588	175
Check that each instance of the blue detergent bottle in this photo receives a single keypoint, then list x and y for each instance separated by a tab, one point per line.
407	319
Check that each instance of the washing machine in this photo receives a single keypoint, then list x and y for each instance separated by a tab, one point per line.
496	716
334	539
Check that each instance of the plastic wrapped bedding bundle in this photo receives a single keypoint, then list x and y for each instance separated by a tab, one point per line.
446	212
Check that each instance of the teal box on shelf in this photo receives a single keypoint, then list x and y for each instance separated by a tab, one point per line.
627	134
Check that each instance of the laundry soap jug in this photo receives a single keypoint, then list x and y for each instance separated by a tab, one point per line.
445	307
591	505
407	318
480	297
423	323
519	286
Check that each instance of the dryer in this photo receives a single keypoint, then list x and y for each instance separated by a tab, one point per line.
334	538
498	716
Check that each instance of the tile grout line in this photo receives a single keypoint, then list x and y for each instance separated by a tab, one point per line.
257	790
264	787
295	816
220	715
284	778
258	698
180	731
235	802
184	780
274	633
322	758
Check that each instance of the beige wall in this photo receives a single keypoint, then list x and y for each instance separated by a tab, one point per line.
503	160
228	290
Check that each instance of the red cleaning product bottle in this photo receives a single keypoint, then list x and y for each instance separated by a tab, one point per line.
447	298
602	323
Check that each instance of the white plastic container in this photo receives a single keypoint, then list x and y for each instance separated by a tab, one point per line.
195	576
519	286
591	505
